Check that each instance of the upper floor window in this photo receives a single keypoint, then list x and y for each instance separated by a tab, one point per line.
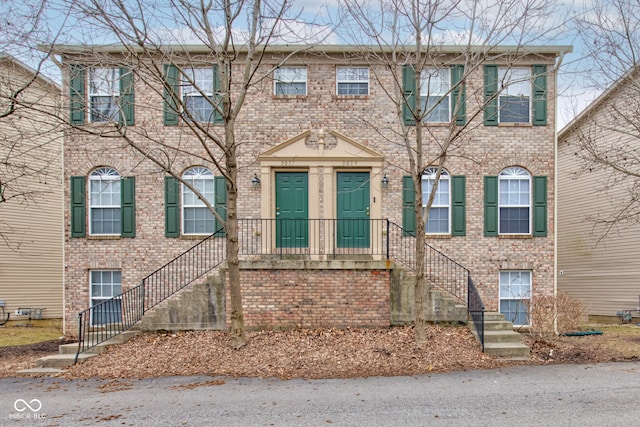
290	81
514	202
104	92
434	95
514	101
104	202
352	80
439	214
198	93
196	216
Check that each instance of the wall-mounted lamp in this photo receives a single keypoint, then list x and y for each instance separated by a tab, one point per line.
255	181
385	181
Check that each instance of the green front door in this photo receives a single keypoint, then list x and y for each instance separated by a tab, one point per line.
352	230
292	210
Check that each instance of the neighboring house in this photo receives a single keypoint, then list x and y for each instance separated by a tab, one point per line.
311	156
599	267
31	214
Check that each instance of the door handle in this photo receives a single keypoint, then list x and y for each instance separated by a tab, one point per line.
367	211
277	211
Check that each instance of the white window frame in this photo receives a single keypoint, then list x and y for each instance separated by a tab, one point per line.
444	184
109	288
105	182
513	289
198	177
284	77
435	83
348	78
196	83
516	82
104	83
512	196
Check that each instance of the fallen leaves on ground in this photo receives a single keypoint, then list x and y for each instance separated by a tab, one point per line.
301	353
318	353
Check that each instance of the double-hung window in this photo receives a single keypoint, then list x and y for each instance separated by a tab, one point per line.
514	203
439	214
196	216
198	94
514	101
290	81
104	93
104	202
352	80
105	285
435	99
515	292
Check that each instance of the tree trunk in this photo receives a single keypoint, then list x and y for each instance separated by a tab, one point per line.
235	290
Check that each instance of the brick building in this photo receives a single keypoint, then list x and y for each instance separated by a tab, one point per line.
319	148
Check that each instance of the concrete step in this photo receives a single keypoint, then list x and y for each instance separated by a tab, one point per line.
60	360
507	351
39	372
118	339
500	340
498	325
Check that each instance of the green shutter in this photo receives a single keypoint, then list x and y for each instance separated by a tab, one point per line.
220	201
126	97
540	206
128	206
459	94
539	95
171	207
217	98
458	210
490	205
490	95
409	92
78	206
408	206
171	94
76	94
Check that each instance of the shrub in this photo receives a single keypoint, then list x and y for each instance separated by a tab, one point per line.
544	311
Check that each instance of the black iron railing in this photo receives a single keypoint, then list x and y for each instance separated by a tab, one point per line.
475	307
109	318
441	271
329	238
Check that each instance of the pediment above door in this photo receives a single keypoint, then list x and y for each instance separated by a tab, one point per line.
329	146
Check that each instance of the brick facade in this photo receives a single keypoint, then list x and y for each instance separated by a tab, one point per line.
267	121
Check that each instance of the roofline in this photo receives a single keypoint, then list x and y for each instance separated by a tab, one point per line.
597	102
317	48
39	75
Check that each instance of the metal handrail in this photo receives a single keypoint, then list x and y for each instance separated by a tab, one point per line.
109	318
372	237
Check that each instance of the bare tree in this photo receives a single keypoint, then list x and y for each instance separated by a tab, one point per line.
162	46
416	41
608	135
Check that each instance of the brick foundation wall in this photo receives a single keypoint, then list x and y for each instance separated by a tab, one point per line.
317	298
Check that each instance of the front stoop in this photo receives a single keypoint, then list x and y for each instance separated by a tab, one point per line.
500	340
66	356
